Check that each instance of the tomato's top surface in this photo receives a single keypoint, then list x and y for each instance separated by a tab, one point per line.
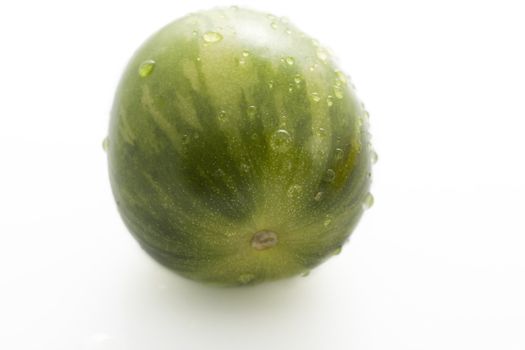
238	151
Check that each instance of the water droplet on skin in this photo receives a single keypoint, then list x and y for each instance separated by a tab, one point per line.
245	167
321	132
274	25
222	116
341	76
329	100
290	61
339	154
242	61
290	88
246	278
146	68
368	202
280	141
185	139
270	84
322	55
373	156
315	97
246	53
329	176
105	144
198	59
254	136
338	250
298	79
212	37
294	191
194	33
338	92
327	221
251	111
318	196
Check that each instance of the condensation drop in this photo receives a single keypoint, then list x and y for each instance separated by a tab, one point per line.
318	196
105	144
246	53
368	201
280	140
273	25
289	60
245	167
315	97
327	221
322	55
373	156
251	111
212	37
321	132
246	278
330	100
146	68
185	139
339	154
341	76
329	176
290	88
222	116
194	33
338	92
298	79
338	250
270	84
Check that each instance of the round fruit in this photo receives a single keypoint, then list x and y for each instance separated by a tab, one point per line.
238	151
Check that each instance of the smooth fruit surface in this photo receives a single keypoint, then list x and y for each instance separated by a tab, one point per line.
238	152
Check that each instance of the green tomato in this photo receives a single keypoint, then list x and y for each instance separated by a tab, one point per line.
238	152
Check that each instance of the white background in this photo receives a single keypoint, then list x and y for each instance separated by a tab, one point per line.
438	263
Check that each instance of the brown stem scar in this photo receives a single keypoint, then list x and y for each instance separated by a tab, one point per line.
264	239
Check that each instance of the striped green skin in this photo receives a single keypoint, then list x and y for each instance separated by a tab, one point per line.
199	161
